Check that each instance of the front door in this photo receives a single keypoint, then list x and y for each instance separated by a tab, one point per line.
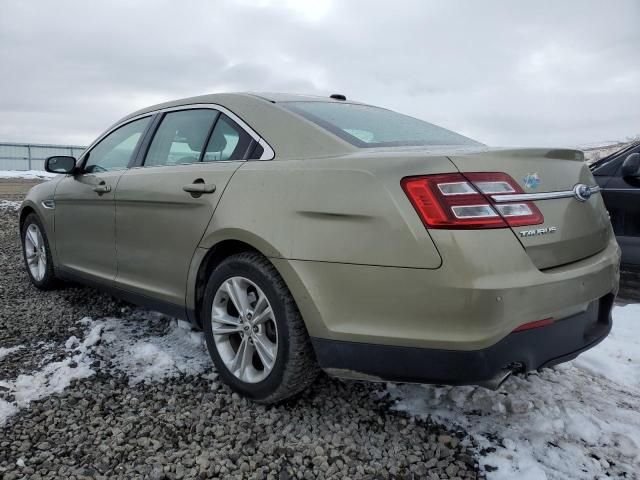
85	206
164	206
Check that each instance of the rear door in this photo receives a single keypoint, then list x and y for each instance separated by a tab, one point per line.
85	206
165	204
571	229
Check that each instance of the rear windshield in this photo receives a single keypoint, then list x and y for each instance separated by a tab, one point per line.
367	126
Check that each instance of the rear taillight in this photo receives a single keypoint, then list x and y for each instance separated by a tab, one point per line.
456	200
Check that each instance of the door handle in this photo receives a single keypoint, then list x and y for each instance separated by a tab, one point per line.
100	189
199	188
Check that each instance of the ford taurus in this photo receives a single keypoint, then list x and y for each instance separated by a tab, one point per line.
309	233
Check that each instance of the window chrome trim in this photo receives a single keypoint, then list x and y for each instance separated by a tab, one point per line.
268	153
523	197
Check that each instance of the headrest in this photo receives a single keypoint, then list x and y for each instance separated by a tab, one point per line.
218	141
192	137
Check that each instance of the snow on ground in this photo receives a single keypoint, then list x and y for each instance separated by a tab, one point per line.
9	205
53	378
145	346
618	357
8	351
596	150
579	420
26	174
175	350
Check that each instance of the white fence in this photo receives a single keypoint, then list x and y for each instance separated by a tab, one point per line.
31	156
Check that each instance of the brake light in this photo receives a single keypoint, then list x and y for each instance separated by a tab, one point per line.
463	201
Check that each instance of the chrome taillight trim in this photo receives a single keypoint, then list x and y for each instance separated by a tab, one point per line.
524	197
494	214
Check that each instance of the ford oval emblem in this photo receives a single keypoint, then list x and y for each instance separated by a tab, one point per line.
582	192
532	180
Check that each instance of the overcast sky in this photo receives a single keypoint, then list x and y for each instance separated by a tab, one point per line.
505	73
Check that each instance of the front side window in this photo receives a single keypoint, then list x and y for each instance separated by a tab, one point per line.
368	126
228	141
116	149
180	138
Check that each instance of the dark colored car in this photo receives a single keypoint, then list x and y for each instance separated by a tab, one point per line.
618	176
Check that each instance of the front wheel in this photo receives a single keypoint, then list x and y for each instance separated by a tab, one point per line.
37	254
254	331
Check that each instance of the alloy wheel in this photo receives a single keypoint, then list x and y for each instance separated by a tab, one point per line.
35	252
244	329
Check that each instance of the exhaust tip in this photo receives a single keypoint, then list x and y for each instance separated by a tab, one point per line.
495	382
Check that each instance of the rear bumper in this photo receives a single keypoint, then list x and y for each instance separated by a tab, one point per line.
471	303
529	350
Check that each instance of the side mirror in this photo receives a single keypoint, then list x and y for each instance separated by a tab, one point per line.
60	164
631	166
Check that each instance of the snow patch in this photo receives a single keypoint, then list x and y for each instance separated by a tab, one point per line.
145	346
53	378
9	205
7	409
579	420
128	347
27	174
618	357
93	338
4	352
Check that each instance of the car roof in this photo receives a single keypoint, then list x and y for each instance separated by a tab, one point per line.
288	134
222	98
294	97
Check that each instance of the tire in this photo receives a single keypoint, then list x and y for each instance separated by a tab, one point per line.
293	367
35	242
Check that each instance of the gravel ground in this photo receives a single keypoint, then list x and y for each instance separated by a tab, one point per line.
183	425
15	188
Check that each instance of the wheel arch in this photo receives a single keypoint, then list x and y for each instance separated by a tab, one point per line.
209	255
45	217
208	261
24	213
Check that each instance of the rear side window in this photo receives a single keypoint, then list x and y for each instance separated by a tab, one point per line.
228	142
180	138
257	152
367	126
114	151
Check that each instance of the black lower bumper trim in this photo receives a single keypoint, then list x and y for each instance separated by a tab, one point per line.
531	349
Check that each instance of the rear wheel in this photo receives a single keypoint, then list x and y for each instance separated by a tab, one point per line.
254	331
37	254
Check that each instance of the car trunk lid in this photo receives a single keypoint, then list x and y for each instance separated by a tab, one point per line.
572	229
